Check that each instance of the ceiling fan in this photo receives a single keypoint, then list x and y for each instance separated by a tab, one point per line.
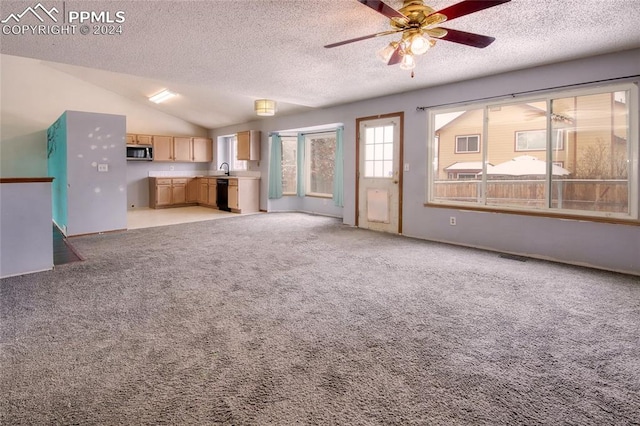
420	27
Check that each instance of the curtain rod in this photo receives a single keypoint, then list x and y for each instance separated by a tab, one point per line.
513	95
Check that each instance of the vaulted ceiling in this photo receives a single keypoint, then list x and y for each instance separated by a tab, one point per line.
221	55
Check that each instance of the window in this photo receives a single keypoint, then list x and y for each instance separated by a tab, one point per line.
226	153
378	161
469	143
289	165
320	163
536	140
581	154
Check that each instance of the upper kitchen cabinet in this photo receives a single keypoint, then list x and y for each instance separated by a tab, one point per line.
202	150
163	148
182	149
139	139
248	145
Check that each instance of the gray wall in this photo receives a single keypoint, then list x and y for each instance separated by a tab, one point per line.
96	200
608	246
25	226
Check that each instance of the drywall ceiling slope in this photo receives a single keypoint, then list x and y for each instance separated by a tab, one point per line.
224	54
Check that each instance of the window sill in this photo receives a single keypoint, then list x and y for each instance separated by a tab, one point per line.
328	196
584	218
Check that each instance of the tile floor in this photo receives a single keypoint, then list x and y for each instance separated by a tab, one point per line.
145	217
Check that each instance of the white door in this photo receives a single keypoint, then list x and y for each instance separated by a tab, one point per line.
380	174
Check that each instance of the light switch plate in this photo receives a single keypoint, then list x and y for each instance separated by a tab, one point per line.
406	167
103	167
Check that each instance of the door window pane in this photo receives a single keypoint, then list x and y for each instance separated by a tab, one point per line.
379	152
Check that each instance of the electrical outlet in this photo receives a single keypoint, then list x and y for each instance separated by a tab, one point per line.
452	221
103	167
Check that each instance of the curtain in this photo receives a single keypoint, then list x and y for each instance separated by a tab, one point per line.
275	167
301	167
338	171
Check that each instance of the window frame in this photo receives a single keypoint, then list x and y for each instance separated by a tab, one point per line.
633	154
307	162
559	140
467	151
295	164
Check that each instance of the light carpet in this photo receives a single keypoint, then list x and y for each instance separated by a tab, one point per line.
296	319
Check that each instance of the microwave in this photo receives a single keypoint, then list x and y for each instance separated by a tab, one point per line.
139	152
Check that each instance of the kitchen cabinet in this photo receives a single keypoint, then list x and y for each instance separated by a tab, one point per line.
193	190
133	139
243	195
212	194
164	192
207	192
248	145
162	148
201	150
182	149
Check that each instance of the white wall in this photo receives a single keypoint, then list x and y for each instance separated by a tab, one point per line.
608	246
33	95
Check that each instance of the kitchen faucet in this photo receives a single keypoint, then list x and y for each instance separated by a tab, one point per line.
226	172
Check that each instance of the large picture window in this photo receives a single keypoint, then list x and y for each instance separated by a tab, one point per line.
575	153
320	163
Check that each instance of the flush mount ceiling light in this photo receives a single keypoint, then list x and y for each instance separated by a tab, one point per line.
419	25
265	107
162	96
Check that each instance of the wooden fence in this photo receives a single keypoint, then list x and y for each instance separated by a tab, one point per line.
573	194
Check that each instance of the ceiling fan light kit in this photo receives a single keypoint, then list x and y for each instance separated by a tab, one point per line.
265	107
419	26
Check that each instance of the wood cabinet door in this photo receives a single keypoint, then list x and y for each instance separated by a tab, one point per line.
203	197
193	190
202	150
182	149
131	139
144	139
233	196
162	148
213	194
163	195
179	194
243	151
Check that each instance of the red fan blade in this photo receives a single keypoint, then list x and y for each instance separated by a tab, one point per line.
470	39
384	33
383	8
396	56
468	6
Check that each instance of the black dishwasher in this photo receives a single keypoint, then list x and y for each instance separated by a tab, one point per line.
222	194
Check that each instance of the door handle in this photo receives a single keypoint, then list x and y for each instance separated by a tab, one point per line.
395	181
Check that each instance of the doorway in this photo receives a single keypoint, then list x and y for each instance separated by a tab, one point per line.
379	152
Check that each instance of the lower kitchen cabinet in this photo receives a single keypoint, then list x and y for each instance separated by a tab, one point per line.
165	192
243	193
243	196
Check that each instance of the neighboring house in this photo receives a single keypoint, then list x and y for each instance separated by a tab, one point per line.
589	137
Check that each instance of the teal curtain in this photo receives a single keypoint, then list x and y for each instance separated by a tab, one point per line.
338	171
301	144
275	167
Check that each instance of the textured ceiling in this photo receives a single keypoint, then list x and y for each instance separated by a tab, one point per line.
220	55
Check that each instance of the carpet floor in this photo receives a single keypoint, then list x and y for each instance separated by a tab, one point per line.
297	319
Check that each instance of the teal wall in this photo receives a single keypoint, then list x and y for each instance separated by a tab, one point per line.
57	168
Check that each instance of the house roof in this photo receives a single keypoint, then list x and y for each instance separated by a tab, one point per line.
221	55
